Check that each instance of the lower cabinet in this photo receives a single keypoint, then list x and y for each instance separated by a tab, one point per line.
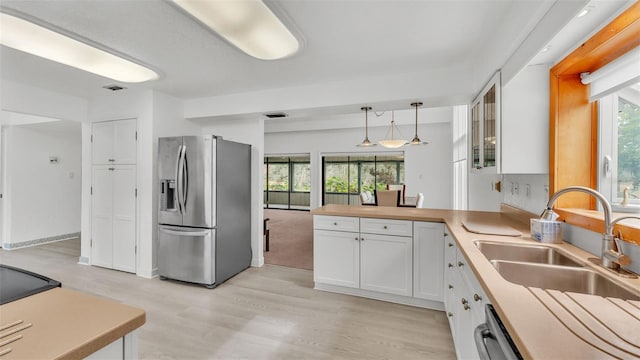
125	348
464	301
400	260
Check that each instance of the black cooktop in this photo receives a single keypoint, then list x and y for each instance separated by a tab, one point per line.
17	283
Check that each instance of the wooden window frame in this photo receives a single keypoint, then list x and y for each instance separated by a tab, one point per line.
573	130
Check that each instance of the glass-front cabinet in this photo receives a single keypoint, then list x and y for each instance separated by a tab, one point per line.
485	127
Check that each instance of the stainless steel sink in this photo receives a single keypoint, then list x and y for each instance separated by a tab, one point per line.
525	253
572	279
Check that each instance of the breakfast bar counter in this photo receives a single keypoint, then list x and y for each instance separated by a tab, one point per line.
543	323
65	324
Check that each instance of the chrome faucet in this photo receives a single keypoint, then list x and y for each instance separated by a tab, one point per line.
612	256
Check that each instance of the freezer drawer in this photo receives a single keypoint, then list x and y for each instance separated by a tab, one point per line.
187	254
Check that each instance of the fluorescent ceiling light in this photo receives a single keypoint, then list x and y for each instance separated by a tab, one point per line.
34	39
249	25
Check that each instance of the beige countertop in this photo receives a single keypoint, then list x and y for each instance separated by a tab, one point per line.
65	324
545	324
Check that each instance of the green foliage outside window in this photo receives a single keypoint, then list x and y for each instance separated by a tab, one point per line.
628	148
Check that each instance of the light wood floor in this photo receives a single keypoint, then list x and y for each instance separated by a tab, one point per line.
263	313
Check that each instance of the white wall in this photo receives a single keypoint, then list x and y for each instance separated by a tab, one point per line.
42	199
27	99
248	131
428	168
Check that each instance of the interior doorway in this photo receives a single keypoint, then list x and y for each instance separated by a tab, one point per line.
290	238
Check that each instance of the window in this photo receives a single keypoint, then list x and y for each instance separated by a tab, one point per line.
619	115
287	182
345	177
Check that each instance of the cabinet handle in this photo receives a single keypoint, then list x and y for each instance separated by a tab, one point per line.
450	265
450	245
450	286
464	301
445	234
460	264
466	307
361	239
450	314
385	227
112	160
111	169
335	224
477	297
357	238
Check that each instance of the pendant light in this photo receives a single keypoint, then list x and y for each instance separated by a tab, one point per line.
393	139
416	140
366	142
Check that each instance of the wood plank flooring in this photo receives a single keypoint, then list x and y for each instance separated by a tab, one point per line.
262	313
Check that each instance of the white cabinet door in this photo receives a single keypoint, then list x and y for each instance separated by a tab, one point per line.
113	217
114	142
102	216
428	259
102	142
386	264
124	141
124	218
336	258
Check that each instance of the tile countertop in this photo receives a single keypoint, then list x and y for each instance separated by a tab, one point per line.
66	324
545	324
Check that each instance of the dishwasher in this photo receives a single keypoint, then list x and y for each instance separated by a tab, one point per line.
493	340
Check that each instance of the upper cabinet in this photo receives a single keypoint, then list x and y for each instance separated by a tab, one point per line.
114	142
485	127
525	122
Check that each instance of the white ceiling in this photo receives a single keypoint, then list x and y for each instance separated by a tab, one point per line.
342	40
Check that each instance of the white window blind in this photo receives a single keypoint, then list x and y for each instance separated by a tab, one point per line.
614	76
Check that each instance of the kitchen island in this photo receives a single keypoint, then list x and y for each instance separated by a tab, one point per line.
65	324
543	323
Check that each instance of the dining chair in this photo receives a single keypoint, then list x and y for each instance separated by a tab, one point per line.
420	200
387	198
401	188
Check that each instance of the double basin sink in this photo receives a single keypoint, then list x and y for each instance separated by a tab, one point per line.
549	268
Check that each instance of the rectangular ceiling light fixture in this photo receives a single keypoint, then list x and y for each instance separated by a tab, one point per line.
34	39
249	25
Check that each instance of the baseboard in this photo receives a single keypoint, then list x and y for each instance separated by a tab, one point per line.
148	274
83	260
398	299
51	239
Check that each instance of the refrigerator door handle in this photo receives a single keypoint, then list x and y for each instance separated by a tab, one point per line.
180	179
185	233
185	172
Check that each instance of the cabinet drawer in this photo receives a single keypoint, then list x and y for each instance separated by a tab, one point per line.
338	223
386	227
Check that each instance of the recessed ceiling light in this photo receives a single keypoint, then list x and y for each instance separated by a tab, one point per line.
249	25
34	39
545	49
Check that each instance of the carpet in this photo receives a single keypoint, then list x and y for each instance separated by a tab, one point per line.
290	238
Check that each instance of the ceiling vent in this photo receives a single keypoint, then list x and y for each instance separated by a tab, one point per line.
276	115
114	87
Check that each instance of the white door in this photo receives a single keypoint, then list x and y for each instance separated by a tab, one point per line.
124	218
102	195
124	141
386	264
336	258
428	259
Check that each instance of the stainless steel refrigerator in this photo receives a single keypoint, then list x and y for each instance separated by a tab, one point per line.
204	217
